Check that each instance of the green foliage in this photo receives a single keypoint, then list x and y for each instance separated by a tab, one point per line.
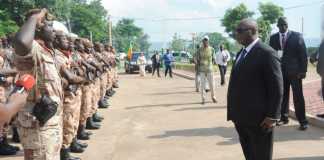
264	28
270	12
126	32
233	16
6	24
269	15
90	18
311	50
177	43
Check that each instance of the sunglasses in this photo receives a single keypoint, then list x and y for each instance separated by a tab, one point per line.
242	30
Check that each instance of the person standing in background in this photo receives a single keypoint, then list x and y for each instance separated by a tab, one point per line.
168	60
222	57
196	61
156	63
141	62
206	57
292	51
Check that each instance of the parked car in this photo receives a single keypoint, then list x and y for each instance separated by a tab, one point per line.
131	64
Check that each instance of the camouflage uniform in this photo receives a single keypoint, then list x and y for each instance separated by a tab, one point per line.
41	142
71	104
86	101
95	89
104	76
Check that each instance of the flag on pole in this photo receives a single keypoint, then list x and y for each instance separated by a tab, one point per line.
130	51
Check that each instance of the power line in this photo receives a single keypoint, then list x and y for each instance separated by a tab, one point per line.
207	18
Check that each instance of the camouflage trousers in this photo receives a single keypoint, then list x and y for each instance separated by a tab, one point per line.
95	95
86	103
103	84
40	143
115	75
71	116
109	79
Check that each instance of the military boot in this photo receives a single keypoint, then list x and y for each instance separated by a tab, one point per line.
6	150
103	102
83	145
97	118
82	135
65	155
91	124
75	148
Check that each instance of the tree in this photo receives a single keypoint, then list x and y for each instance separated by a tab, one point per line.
233	16
177	43
269	15
90	18
126	32
270	12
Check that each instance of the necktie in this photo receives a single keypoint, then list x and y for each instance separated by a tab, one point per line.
283	41
241	57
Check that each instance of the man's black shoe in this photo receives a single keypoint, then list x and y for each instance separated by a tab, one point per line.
303	127
115	85
207	90
282	122
65	155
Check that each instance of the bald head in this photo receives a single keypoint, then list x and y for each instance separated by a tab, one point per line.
282	24
250	24
246	31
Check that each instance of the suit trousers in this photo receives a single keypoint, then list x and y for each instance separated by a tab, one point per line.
298	97
222	71
207	77
322	88
168	69
156	67
256	143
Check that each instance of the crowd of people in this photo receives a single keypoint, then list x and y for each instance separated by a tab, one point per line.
74	77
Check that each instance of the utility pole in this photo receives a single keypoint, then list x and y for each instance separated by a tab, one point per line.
302	25
91	36
193	42
109	30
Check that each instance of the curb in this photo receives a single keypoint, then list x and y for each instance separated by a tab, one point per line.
313	120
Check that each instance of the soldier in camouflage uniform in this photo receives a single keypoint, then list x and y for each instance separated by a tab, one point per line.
41	139
110	91
72	98
99	54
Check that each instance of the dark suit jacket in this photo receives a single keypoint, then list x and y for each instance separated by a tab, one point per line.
256	87
319	57
294	59
155	62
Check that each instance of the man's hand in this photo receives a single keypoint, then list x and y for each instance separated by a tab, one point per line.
40	17
268	123
19	99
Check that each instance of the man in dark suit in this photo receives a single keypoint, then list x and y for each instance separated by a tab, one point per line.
292	51
156	63
254	93
319	58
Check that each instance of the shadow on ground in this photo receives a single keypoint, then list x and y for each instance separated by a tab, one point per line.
302	158
171	93
200	108
287	133
166	105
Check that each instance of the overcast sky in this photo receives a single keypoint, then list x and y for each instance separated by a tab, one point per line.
149	12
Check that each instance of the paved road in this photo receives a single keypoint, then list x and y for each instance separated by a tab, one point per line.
162	119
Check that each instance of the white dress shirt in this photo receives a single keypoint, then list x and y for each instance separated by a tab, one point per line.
248	49
221	55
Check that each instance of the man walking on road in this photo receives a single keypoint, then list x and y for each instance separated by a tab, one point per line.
168	60
292	51
254	93
222	57
206	56
156	63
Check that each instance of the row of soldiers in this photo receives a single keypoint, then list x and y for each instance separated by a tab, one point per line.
74	77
